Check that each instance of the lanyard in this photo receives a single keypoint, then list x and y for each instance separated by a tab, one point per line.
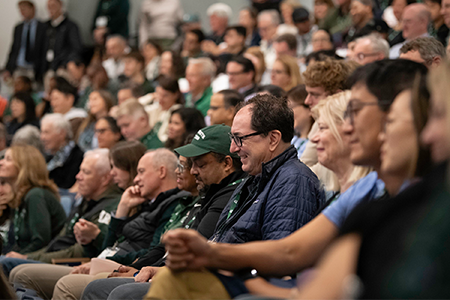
236	199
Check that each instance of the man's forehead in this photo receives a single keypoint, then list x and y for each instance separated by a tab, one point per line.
242	120
217	98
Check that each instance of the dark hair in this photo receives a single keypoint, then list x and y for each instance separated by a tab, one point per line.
171	84
231	98
253	14
289	39
386	79
298	94
271	113
322	55
136	55
26	2
112	123
420	102
155	44
240	30
178	65
77	61
136	89
244	62
30	107
200	35
237	163
62	85
26	81
193	121
274	90
126	156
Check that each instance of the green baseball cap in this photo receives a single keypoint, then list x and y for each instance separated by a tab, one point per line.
209	139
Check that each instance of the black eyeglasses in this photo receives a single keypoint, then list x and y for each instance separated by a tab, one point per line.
355	106
238	139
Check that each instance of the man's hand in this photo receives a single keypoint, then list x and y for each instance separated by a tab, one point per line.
130	199
16	255
209	46
146	273
123	271
85	231
187	249
82	269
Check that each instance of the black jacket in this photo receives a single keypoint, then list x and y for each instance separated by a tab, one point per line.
64	40
36	54
206	216
64	177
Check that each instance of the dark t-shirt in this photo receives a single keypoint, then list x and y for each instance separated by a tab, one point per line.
404	251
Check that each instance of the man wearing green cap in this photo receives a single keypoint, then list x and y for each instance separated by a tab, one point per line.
217	172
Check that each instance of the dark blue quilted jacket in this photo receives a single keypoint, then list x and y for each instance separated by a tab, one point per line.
288	196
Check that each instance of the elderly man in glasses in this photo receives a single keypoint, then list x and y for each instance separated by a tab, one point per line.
370	48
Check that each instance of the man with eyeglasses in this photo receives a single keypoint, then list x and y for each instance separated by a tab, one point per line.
370	48
241	76
374	87
223	107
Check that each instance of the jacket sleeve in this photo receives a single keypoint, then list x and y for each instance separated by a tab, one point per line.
75	250
38	220
293	203
114	231
12	57
75	42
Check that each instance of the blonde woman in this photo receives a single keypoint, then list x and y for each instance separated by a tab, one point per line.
286	72
333	146
37	213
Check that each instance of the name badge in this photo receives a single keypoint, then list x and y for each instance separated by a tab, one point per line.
50	55
101	21
104	218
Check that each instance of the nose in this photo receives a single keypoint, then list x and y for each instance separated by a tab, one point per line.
308	100
194	170
233	147
315	138
347	127
382	136
136	179
79	176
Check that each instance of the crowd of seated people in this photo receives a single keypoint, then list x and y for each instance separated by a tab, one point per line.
293	154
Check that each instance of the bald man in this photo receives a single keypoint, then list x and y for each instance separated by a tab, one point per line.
416	18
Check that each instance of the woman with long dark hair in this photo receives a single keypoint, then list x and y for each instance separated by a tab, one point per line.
183	122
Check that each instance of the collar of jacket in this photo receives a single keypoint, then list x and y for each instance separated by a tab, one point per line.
272	165
214	188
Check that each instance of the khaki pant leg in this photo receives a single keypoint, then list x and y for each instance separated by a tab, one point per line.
39	277
72	286
186	285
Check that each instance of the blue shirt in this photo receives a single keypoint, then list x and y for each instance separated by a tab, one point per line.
365	189
30	25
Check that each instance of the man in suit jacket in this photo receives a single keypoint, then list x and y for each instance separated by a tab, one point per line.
62	41
26	49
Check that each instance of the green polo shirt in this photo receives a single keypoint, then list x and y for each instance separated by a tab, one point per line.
151	140
203	103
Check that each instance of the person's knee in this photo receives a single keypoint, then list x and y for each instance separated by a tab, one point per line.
130	291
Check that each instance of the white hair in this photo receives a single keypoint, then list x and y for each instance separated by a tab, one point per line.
121	39
28	135
60	123
273	14
220	9
379	44
102	164
208	66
